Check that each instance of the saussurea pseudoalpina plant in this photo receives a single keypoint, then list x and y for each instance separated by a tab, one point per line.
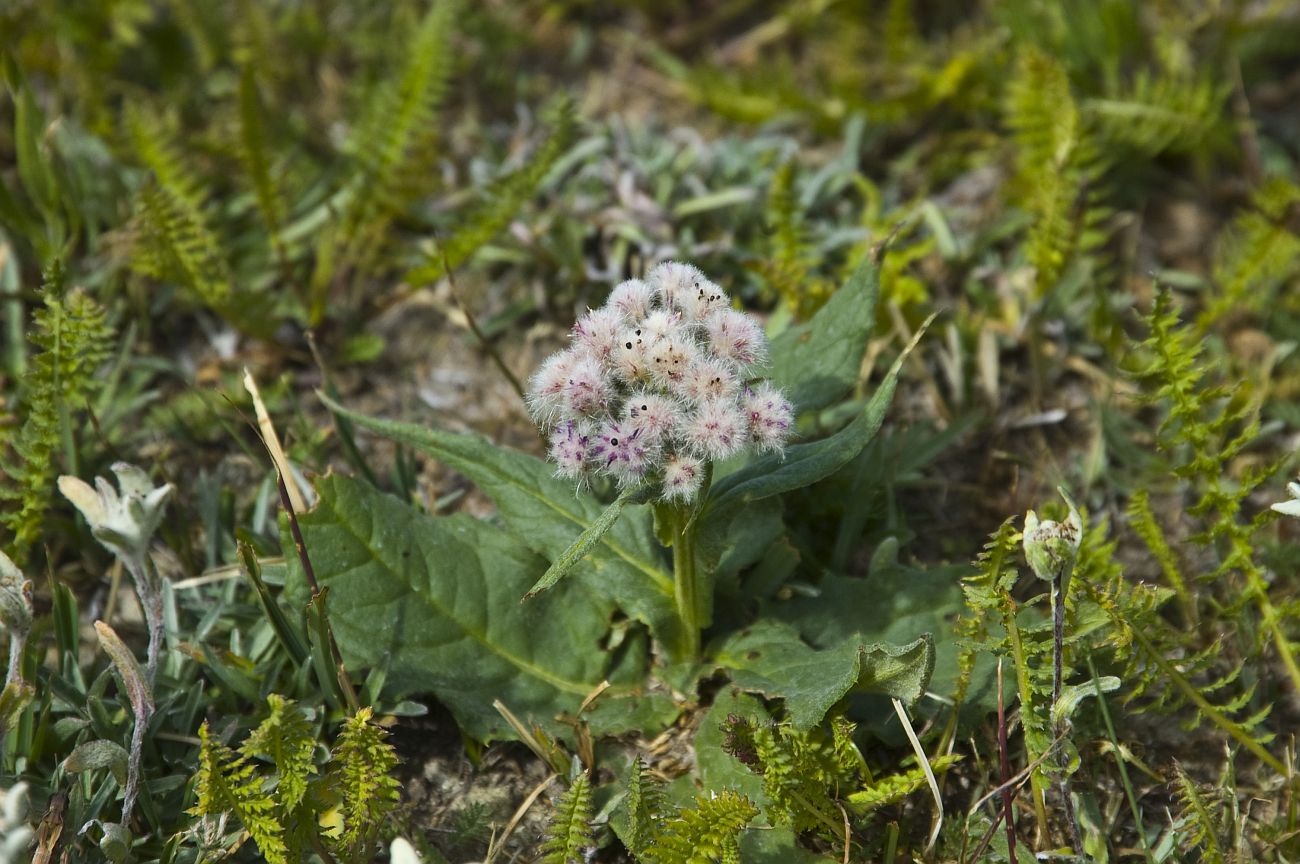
657	386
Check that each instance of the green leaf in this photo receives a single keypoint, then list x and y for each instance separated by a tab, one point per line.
583	545
816	363
91	755
625	566
441	596
769	657
804	464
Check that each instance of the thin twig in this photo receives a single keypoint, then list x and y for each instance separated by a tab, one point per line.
473	326
1004	763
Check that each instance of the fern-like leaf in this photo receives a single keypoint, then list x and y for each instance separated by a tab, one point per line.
227	783
286	738
708	833
645	806
502	200
75	340
361	767
896	787
1258	249
255	156
569	833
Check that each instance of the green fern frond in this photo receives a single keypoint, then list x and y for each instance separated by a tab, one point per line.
288	740
708	833
803	771
75	340
1196	817
645	805
361	767
1144	524
896	787
404	110
1058	168
255	155
1160	113
174	239
1258	249
569	834
789	266
227	783
502	200
994	576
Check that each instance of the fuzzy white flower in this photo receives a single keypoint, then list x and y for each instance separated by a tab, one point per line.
1292	507
125	522
632	300
657	384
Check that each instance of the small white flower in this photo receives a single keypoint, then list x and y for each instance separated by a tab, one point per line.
546	389
672	280
659	324
125	522
682	478
588	391
715	431
570	444
706	378
654	414
702	300
770	416
736	337
670	358
1292	507
620	451
597	332
632	300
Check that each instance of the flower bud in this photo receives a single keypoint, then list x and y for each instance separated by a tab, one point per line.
15	598
1051	547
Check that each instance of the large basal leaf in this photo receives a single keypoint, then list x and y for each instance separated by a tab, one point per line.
440	595
769	658
818	362
893	603
624	566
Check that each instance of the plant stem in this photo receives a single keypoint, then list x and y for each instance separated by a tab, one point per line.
684	583
1037	783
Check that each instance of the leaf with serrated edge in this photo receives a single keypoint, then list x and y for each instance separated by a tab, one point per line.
441	596
768	657
626	566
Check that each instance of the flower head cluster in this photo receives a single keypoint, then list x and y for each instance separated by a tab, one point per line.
658	382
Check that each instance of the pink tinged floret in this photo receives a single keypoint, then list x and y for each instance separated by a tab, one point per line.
672	280
737	337
655	415
631	358
547	387
770	416
620	451
659	325
703	299
570	445
716	430
682	478
707	378
597	332
632	300
669	360
588	391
